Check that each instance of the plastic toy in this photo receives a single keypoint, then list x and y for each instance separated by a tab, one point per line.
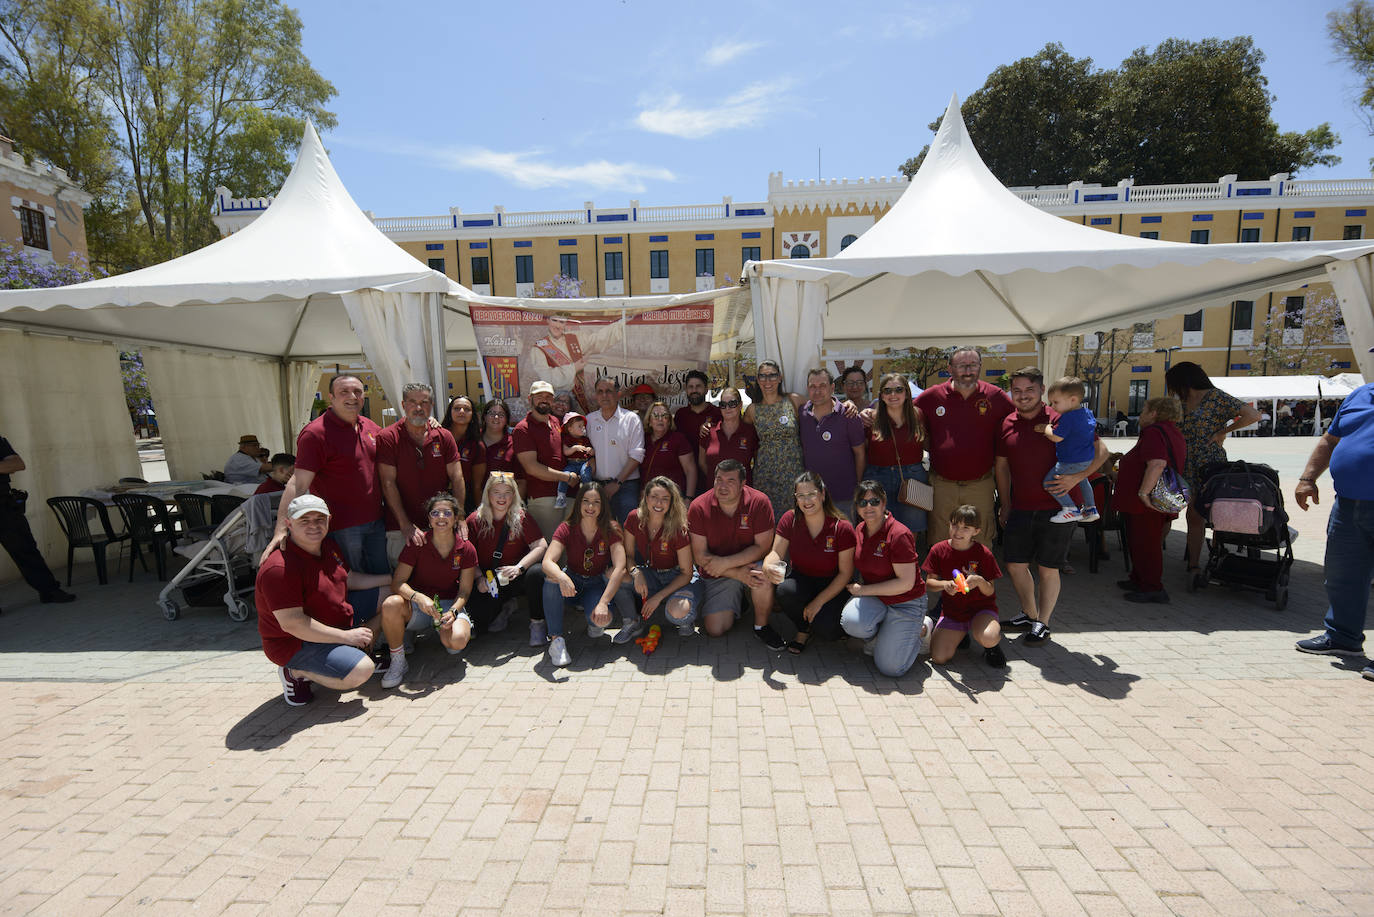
649	642
960	582
492	589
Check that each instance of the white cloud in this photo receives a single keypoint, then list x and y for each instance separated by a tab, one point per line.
530	169
745	108
726	51
911	25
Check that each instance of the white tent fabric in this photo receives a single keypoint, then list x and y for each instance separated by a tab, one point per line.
1342	384
1266	388
959	259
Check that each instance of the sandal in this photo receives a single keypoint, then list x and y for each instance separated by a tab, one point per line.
797	647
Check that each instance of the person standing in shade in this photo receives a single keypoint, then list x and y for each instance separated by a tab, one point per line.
1347	448
617	437
538	440
460	421
833	445
774	418
963	417
497	446
17	537
697	413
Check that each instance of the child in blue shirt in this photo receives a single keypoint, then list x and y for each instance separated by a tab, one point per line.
1072	435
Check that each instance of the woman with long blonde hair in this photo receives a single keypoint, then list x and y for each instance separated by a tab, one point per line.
659	550
509	547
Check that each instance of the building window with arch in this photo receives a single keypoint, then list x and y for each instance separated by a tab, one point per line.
847	241
800	251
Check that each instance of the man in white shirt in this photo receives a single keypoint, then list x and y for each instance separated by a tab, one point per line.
617	436
249	465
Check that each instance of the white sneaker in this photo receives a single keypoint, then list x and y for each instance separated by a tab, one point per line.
1089	515
396	671
539	633
594	630
502	618
869	645
927	631
558	653
687	630
632	628
1066	515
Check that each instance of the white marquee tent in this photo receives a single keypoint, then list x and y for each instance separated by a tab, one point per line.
959	259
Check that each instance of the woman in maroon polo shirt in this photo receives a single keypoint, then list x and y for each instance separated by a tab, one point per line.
889	607
1160	445
732	438
896	444
591	548
431	587
458	420
660	551
667	452
821	544
509	548
498	445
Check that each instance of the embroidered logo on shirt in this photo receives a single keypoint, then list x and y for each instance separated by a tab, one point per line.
983	407
435	450
830	544
880	549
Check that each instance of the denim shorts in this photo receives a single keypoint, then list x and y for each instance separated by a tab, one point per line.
655	580
332	660
420	621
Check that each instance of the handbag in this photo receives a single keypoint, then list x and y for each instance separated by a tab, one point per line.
914	492
1170	495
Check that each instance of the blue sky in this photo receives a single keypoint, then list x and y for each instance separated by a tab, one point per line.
537	105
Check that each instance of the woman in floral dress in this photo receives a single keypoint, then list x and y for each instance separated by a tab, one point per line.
774	416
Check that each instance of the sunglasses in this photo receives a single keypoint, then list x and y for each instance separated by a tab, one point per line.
814	495
440	513
769	376
587	558
868	501
894	391
730	404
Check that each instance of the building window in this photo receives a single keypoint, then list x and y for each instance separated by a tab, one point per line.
750	253
1353	232
436	264
1244	315
615	265
1302	233
1250	234
847	241
1292	311
1200	236
658	264
800	251
524	268
33	227
481	270
1193	321
567	265
1139	394
1150	234
706	262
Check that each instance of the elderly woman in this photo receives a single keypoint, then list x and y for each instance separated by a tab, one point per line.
820	543
660	551
586	562
431	587
889	607
774	418
896	445
1208	415
509	548
1160	445
732	438
667	452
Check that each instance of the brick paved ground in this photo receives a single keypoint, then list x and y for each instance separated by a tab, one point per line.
1179	759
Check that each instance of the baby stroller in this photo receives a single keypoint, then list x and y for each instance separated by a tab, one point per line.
1243	506
222	569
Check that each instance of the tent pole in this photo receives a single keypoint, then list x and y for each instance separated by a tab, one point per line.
284	388
438	349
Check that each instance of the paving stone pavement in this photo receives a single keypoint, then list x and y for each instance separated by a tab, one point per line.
1178	759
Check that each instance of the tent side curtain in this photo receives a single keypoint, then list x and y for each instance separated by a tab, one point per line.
402	338
66	418
1052	353
789	325
302	385
204	403
1353	282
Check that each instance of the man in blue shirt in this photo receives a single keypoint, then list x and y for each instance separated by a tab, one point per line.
1347	448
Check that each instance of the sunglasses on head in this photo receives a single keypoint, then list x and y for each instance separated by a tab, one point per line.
869	501
504	477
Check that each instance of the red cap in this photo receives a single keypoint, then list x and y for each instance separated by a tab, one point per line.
643	388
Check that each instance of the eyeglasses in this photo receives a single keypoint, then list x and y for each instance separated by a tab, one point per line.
966	365
894	391
440	513
868	501
729	404
769	376
814	495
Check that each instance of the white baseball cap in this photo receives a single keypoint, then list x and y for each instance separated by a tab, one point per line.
306	503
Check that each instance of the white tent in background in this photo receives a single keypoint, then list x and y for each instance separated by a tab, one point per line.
959	259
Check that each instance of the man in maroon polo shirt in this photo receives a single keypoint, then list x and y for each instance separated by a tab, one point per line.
1024	457
732	529
415	461
336	460
963	418
538	444
695	414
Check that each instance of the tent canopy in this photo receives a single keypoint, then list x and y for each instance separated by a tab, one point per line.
959	259
1267	388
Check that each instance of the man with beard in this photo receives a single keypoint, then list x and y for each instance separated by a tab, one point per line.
415	461
538	443
697	413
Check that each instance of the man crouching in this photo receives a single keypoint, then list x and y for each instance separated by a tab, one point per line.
307	626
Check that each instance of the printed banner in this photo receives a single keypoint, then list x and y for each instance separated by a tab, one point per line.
521	346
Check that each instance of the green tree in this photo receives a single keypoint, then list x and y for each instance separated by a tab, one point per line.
1352	33
1298	341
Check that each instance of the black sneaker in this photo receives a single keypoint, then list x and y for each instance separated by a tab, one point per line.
1368	671
1039	633
1020	619
57	595
1127	584
296	691
994	657
1148	598
1323	645
770	637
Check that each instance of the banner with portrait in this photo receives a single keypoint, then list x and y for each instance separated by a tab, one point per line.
572	350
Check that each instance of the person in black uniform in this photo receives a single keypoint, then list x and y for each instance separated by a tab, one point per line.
16	536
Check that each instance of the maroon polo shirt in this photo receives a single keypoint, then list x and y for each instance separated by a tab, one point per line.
903	446
517	546
664	457
943	559
1030	456
546	441
742	446
433	573
661	554
344	459
876	555
963	431
689	423
471	453
421	471
727	535
580	557
294	578
1160	440
270	486
819	556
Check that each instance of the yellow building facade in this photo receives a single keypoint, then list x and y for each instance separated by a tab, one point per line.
42	211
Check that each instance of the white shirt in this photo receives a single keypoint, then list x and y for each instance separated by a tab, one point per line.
243	469
616	441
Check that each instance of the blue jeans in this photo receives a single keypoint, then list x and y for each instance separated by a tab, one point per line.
897	627
364	547
626	498
1086	489
657	580
1349	565
891	479
589	592
584	471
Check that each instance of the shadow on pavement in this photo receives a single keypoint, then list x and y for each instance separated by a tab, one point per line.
273	723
